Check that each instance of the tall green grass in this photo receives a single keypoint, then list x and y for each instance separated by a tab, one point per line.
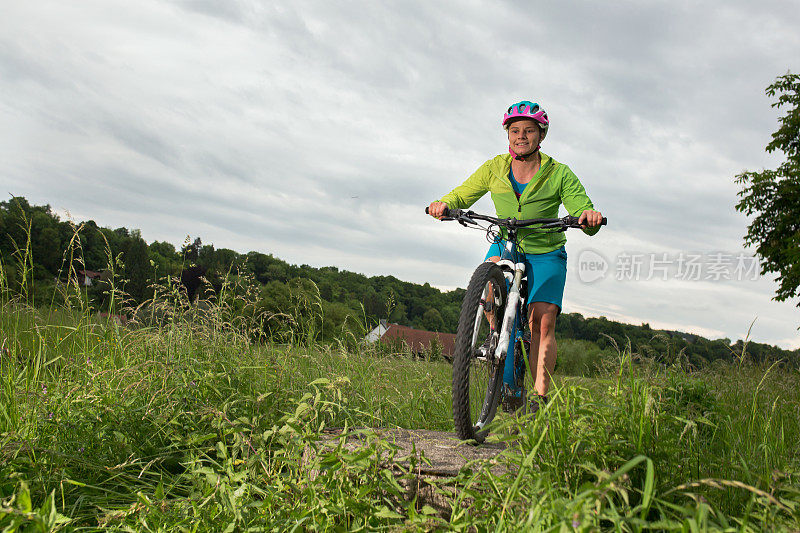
184	420
105	418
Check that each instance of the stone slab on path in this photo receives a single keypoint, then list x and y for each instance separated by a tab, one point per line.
446	454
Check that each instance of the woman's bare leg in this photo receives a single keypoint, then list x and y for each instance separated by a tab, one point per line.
542	359
490	315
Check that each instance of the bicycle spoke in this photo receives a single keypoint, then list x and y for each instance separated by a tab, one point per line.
476	375
478	313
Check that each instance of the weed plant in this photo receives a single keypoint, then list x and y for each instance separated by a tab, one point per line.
580	358
186	420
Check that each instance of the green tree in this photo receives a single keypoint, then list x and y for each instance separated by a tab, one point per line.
137	268
432	320
374	305
46	241
774	195
191	252
207	256
226	259
165	259
335	319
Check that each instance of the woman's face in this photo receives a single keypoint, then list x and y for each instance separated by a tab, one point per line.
524	136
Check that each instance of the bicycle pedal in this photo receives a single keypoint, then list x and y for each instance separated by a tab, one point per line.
486	358
512	403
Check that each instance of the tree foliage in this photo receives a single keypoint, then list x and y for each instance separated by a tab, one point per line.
296	300
137	268
774	195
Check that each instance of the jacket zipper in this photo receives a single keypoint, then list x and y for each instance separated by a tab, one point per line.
519	198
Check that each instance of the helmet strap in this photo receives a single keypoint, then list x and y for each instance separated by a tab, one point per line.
523	157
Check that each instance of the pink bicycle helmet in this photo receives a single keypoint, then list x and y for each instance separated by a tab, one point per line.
530	110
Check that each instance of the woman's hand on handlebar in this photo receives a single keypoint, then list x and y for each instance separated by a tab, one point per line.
590	218
436	209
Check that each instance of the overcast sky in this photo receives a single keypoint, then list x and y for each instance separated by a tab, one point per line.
318	131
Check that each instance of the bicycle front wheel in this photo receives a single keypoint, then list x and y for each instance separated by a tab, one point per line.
477	377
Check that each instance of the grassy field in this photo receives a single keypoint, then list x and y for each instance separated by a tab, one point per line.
187	425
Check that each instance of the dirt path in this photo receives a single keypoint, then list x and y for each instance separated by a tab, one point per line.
445	453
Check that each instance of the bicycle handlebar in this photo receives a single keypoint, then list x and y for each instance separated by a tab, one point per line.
469	216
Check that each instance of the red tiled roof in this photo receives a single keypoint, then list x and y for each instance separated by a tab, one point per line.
419	340
122	319
90	274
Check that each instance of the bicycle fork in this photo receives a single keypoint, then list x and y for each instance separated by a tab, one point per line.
510	315
510	333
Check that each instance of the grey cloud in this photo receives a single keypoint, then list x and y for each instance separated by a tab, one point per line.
143	141
18	65
230	10
256	123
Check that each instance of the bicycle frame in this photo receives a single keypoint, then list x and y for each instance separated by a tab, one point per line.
513	325
514	298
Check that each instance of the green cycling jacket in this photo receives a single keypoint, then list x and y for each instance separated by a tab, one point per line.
552	185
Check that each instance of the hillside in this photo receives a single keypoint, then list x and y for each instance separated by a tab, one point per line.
56	248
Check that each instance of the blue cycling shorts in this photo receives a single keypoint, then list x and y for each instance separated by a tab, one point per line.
547	273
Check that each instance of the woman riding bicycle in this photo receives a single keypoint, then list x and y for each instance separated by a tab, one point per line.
524	184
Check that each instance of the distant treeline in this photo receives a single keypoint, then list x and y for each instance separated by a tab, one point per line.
91	247
57	248
668	346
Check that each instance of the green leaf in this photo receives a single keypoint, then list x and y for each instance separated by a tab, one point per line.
24	498
302	408
384	512
159	493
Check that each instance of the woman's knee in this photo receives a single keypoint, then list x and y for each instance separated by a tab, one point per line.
543	318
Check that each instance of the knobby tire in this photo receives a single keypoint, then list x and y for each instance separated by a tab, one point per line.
476	383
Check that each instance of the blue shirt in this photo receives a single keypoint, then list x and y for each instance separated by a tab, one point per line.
517	186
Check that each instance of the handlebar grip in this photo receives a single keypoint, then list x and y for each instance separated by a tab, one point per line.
574	220
448	213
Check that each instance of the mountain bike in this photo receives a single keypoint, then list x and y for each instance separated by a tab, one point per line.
492	325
